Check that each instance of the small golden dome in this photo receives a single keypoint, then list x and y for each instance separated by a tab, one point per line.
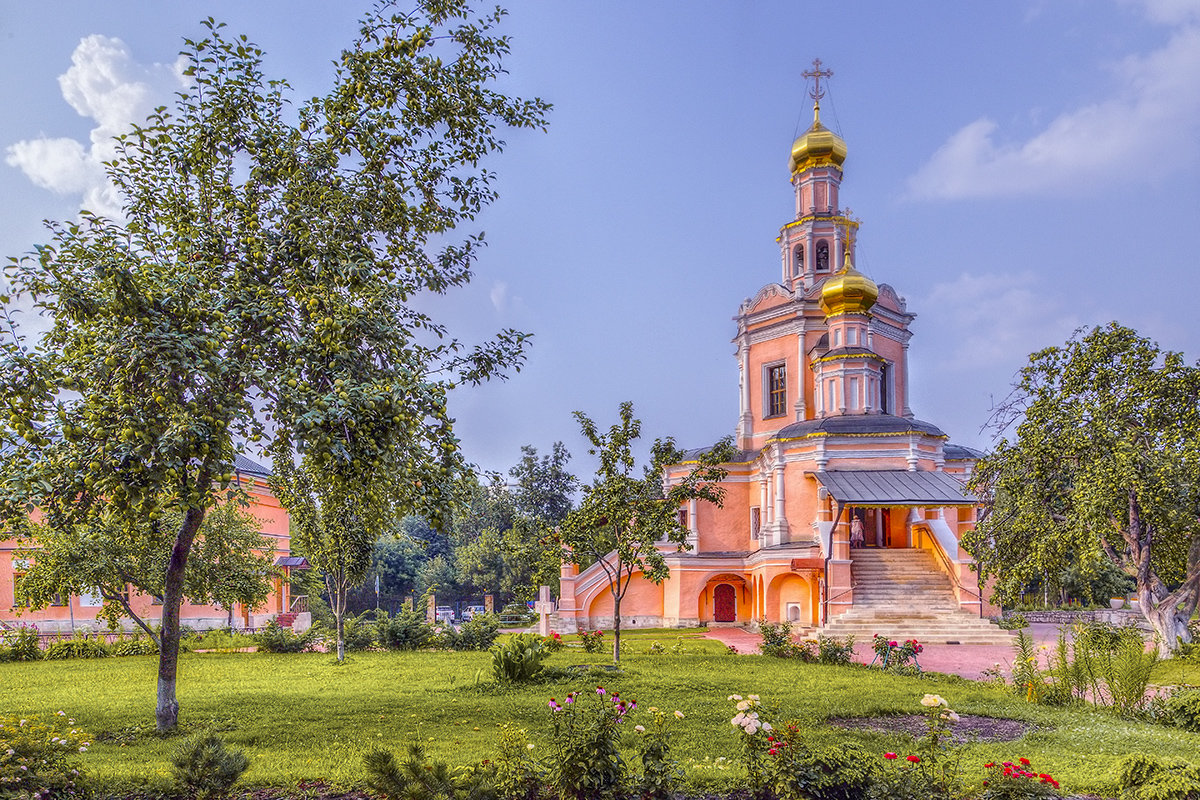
817	147
848	292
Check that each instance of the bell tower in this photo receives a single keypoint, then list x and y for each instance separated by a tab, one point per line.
812	246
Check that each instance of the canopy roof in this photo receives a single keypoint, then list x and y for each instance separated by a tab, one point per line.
895	487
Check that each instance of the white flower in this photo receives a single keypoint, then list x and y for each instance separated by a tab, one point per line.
767	727
950	715
62	713
678	714
932	700
83	749
529	746
737	720
639	728
742	706
753	697
734	697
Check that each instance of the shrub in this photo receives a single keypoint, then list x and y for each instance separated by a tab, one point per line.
481	630
79	646
802	768
660	773
518	775
205	768
777	641
22	644
1146	777
592	642
1009	781
37	759
445	637
586	762
408	630
756	735
275	638
359	632
832	650
1013	621
136	646
554	642
418	777
1183	709
519	659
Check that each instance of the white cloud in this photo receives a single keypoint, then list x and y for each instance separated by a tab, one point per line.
998	320
499	295
1152	116
106	85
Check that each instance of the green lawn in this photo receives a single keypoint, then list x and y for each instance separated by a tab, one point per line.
303	717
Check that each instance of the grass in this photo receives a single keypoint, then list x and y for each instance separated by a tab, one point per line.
302	717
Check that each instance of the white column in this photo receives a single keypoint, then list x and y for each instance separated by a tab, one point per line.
693	526
907	410
780	514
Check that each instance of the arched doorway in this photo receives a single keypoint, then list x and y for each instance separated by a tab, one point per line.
724	603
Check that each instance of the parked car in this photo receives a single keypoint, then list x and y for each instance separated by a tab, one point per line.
472	611
444	614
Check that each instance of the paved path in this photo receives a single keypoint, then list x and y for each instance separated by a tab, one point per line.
969	661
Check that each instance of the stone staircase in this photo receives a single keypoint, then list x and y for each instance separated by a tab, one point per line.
903	594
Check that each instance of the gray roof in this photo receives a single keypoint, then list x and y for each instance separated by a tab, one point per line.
958	452
248	467
895	487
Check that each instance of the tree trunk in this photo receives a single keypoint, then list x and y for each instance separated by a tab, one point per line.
1169	627
616	628
166	712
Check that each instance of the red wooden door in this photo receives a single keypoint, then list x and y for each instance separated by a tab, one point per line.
724	603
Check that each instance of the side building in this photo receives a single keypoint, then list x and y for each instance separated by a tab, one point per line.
78	612
843	511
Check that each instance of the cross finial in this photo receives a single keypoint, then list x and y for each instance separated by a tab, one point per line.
816	73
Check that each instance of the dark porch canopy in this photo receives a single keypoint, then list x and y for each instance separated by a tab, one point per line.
895	487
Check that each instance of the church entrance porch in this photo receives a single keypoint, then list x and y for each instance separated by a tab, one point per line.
725	600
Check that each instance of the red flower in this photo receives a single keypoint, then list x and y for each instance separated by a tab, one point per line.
770	738
989	765
889	756
772	751
1024	761
914	759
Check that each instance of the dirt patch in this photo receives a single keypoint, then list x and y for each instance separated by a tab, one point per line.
968	728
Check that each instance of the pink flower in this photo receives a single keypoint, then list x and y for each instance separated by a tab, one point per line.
600	691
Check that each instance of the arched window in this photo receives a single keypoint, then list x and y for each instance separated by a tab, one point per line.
798	260
822	256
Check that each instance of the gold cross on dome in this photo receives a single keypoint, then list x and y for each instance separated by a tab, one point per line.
816	73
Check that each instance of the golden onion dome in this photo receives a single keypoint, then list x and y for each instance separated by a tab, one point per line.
817	147
848	292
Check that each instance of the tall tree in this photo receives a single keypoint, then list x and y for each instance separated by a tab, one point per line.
1105	466
261	286
625	523
544	489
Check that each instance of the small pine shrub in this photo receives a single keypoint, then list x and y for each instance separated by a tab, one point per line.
1147	777
408	630
1183	709
418	778
205	768
519	659
480	632
77	647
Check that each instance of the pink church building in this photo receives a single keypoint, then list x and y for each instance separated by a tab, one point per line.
843	511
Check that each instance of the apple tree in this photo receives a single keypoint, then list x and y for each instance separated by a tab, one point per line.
263	286
1104	467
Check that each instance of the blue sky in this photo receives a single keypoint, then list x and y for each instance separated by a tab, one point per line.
1020	169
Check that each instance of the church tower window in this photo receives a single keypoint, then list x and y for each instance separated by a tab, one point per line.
776	390
822	256
798	260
